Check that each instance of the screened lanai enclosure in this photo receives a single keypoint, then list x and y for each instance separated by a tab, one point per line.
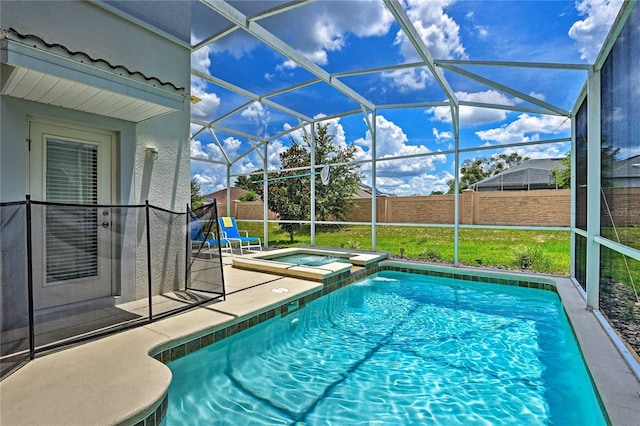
418	90
346	118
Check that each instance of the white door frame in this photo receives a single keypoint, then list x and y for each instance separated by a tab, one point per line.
55	293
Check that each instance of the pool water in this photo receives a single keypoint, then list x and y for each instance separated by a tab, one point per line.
395	349
310	259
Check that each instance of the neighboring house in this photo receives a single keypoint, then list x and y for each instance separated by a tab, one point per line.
95	110
365	191
244	210
626	173
530	175
221	195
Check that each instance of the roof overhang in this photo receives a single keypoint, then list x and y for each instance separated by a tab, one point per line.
40	75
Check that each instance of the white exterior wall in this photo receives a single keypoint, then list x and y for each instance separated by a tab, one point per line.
86	27
82	26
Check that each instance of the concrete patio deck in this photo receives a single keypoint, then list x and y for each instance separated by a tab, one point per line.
113	380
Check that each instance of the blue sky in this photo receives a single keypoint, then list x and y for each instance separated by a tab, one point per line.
344	36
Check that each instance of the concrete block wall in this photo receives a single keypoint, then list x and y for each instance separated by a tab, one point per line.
546	207
529	208
622	205
533	208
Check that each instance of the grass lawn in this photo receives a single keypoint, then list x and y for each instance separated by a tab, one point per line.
546	251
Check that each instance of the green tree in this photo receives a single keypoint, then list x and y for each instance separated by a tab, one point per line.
249	182
476	169
562	174
248	196
608	157
197	199
290	193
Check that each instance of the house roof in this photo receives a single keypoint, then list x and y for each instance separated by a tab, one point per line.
365	191
627	168
221	195
531	172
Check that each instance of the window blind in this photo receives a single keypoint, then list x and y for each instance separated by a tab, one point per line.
71	232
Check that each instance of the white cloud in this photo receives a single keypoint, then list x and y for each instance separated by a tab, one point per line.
391	141
334	128
419	183
237	44
441	136
209	102
196	150
327	25
408	80
441	35
194	128
590	32
200	59
320	28
481	31
438	30
471	116
259	115
556	150
525	128
273	154
210	180
286	65
231	146
211	151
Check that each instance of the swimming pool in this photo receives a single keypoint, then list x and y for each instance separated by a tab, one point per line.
395	348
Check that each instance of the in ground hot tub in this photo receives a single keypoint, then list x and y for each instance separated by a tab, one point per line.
307	263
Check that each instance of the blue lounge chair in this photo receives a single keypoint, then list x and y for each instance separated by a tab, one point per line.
230	231
198	239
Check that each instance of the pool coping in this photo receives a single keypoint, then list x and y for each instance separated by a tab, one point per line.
84	384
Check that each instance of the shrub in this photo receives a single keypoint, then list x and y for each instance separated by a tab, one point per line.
431	255
353	244
531	257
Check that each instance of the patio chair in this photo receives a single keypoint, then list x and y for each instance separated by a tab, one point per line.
230	231
198	239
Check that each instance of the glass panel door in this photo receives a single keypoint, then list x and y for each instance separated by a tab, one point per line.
72	242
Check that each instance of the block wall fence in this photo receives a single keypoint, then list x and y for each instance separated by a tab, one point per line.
550	207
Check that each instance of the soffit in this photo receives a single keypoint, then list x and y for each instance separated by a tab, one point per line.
53	75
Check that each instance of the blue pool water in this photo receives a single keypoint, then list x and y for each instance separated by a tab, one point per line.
310	259
395	349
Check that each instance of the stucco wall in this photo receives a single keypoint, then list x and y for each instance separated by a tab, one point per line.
14	153
86	27
532	208
527	208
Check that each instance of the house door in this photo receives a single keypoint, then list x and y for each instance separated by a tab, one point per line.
71	245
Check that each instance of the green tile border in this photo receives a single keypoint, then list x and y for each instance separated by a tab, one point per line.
155	418
490	278
330	284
